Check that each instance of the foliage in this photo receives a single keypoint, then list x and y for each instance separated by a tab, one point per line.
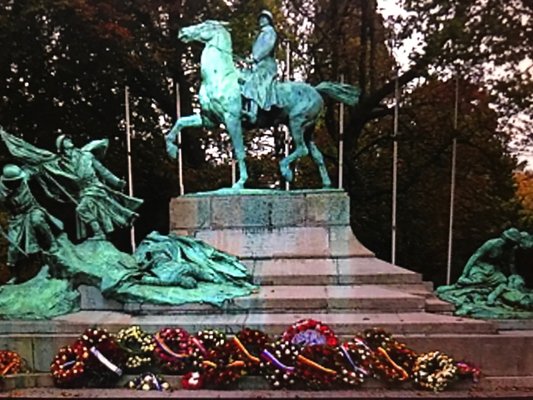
524	192
484	194
68	61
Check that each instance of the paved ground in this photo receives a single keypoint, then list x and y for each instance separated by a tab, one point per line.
263	394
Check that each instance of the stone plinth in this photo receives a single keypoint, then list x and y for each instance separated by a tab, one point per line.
261	224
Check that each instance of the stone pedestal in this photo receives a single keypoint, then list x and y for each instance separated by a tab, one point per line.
263	224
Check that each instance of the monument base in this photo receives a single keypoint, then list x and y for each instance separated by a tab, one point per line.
299	248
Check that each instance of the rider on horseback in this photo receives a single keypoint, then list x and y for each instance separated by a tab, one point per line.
259	88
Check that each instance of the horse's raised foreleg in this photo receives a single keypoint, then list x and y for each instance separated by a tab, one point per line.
317	156
234	128
190	121
297	132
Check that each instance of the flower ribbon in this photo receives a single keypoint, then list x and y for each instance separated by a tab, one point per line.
245	351
352	363
275	361
105	361
382	351
167	349
313	364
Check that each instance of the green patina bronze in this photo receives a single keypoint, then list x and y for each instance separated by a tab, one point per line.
41	297
259	84
77	176
490	285
32	229
168	270
296	104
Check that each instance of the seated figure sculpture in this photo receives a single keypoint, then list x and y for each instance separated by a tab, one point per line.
259	86
493	261
490	285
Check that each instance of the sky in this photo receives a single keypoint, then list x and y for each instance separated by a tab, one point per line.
393	8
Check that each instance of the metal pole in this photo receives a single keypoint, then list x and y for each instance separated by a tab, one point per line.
180	155
233	169
395	167
128	149
341	139
287	136
452	183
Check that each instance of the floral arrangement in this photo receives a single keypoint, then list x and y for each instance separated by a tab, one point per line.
11	363
307	354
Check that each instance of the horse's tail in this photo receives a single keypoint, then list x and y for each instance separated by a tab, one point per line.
342	92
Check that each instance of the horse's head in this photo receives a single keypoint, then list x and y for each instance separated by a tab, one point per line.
203	32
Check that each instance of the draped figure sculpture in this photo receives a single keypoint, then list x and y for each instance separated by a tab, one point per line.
77	176
491	285
165	269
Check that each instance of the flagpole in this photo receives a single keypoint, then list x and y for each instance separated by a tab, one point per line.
452	182
341	139
395	167
233	169
128	149
180	154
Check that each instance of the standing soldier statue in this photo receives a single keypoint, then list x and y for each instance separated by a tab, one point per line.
76	175
100	204
31	228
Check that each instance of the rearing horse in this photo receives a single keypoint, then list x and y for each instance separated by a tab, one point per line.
220	100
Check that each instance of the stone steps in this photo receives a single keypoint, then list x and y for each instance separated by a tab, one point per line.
272	323
303	299
464	392
505	387
39	341
329	271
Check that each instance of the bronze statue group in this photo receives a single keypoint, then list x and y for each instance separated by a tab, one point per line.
489	285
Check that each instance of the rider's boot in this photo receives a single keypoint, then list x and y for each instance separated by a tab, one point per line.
251	113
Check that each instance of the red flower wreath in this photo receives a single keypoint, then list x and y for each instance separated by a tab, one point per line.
10	362
315	366
277	364
173	351
390	363
357	361
106	358
248	344
220	369
68	368
219	366
204	341
310	332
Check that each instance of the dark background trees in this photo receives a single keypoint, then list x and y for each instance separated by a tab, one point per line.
65	65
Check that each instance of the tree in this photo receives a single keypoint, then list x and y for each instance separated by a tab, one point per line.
66	68
484	201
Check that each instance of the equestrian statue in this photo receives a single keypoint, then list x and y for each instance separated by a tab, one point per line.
253	98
